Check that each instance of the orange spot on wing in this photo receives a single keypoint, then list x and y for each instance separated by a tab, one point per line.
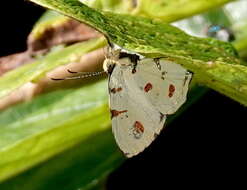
114	90
148	87
171	90
115	113
133	71
119	89
138	127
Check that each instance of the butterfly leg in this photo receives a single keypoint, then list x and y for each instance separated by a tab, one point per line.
134	67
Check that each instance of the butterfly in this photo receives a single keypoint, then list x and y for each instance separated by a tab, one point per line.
142	92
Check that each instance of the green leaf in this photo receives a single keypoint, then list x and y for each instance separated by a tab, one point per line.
241	44
170	10
35	131
120	6
81	167
213	62
33	71
166	10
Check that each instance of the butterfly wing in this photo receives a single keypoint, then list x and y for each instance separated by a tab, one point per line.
164	83
135	122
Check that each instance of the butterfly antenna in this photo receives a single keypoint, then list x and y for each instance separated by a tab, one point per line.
83	72
84	75
72	72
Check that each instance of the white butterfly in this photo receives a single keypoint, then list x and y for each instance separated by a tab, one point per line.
142	93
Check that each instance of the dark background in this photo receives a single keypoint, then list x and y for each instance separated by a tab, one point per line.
17	19
205	146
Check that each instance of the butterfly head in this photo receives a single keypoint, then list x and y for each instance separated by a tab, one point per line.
109	65
110	60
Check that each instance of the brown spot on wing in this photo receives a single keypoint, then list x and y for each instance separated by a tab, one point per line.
138	126
134	67
114	90
171	90
115	113
138	129
133	71
119	89
148	87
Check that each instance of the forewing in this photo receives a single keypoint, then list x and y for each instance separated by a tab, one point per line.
135	122
163	83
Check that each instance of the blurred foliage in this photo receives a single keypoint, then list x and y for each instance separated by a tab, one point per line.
34	71
166	10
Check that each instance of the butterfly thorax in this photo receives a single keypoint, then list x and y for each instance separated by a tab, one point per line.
120	57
